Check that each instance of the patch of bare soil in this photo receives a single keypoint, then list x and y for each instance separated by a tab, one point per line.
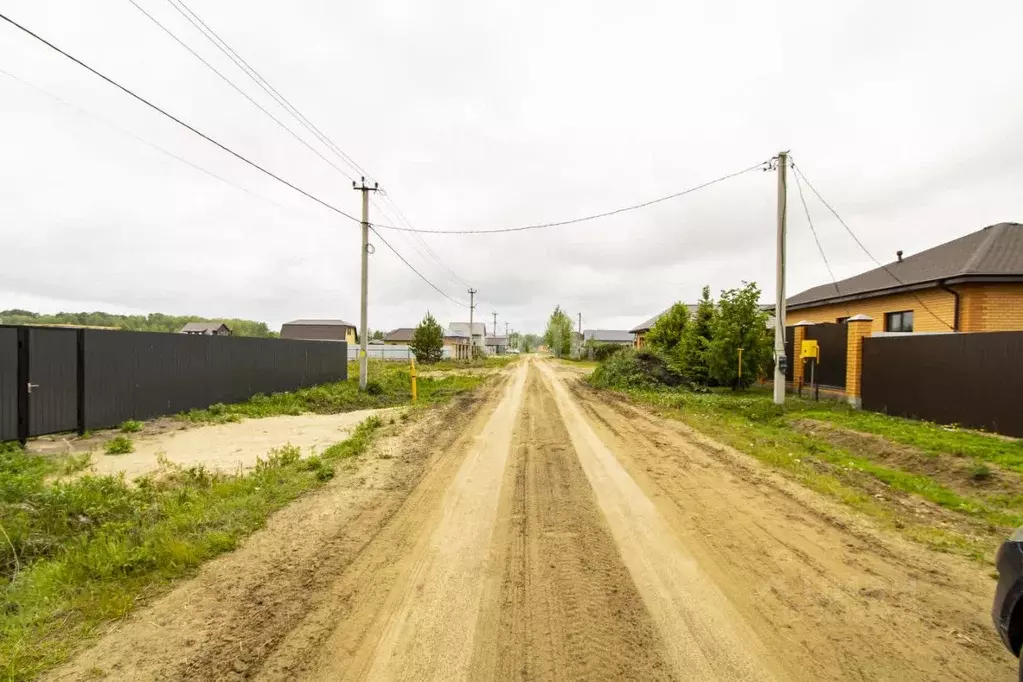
829	594
235	446
956	473
227	621
560	604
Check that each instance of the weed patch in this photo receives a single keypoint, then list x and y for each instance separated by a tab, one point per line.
131	426
82	552
119	445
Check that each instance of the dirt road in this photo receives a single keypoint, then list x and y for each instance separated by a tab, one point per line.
547	531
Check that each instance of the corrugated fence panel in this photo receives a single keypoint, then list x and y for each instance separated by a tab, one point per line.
973	380
140	375
8	383
833	339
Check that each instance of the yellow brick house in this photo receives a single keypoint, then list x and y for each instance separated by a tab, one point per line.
970	284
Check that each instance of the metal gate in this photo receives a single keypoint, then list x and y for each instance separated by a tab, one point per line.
832	338
52	380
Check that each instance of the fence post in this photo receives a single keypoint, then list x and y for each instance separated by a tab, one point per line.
858	327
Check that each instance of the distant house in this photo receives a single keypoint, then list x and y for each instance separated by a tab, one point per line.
618	336
497	345
479	332
456	343
320	330
206	329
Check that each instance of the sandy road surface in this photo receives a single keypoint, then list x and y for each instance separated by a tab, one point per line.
546	531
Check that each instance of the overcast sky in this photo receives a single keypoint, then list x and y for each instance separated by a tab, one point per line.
907	116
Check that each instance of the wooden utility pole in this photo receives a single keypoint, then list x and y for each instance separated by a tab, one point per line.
495	324
472	307
780	361
363	310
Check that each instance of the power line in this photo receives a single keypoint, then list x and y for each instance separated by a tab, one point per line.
241	92
222	45
144	141
884	267
177	120
584	218
210	34
413	269
813	230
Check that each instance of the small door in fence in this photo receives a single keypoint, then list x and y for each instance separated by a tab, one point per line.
52	381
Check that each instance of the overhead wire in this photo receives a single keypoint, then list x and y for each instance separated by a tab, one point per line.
581	219
177	120
813	231
413	268
923	304
211	35
241	92
144	141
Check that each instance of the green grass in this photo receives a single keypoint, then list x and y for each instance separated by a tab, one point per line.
85	551
119	445
131	426
486	362
391	385
751	423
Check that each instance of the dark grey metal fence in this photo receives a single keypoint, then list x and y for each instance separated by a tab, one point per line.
969	379
67	379
833	339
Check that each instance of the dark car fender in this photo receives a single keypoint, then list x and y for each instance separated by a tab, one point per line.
1008	622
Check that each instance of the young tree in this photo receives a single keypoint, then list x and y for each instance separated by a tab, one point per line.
428	341
693	351
666	334
739	324
558	336
377	335
530	342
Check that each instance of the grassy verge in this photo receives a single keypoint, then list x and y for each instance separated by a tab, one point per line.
81	552
487	362
965	522
389	384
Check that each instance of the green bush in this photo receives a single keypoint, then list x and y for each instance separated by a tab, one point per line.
121	445
636	369
374	388
132	426
602	351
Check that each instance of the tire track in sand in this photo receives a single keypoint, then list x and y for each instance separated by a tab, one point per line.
559	603
429	633
705	637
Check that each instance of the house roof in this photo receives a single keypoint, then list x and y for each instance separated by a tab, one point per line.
325	323
649	324
203	326
478	328
400	334
994	252
608	335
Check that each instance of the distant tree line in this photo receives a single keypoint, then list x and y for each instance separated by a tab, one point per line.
154	322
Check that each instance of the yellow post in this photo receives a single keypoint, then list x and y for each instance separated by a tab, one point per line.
740	363
412	373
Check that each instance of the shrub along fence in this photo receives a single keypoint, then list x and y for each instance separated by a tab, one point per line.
54	380
973	380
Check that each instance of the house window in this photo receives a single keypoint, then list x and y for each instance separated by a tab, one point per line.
899	322
842	320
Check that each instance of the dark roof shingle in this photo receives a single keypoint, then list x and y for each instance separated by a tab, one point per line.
994	251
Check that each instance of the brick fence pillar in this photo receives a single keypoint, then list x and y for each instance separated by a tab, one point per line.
798	336
858	328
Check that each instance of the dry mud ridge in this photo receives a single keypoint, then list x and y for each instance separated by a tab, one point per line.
541	530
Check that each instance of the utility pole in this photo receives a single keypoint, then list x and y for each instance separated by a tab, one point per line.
580	324
780	361
495	324
472	307
363	322
506	329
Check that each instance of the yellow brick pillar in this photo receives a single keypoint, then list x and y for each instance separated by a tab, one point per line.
798	336
858	328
